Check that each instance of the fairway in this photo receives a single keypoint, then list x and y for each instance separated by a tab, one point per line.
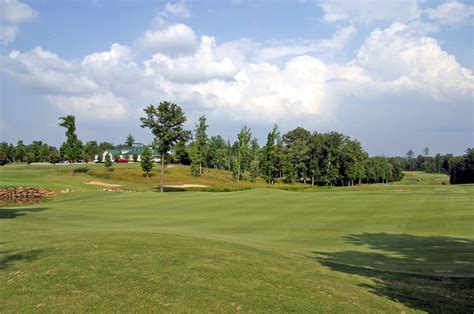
406	246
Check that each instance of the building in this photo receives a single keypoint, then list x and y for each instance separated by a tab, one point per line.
127	152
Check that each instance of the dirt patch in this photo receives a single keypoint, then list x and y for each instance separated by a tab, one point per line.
185	186
108	185
400	190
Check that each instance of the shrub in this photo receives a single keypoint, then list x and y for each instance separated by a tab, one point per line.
81	170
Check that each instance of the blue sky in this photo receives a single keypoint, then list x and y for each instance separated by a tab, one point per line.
397	75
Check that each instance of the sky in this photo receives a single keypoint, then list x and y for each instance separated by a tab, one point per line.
394	74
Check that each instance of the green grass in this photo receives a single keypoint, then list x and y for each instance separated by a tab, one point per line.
402	247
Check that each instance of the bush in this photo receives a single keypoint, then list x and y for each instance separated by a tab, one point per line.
81	170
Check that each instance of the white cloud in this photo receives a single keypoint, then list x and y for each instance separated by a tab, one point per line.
95	107
47	72
452	13
179	9
237	81
12	14
398	56
202	66
295	48
368	11
175	39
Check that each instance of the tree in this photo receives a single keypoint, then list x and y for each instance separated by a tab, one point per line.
146	161
269	156
242	152
91	149
20	151
217	156
462	168
166	124
29	157
296	152
108	162
116	157
410	155
72	148
3	158
254	166
130	140
135	157
105	146
200	143
54	156
181	153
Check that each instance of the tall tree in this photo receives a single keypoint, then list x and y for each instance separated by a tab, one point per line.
146	161
410	155
20	151
242	154
269	156
72	148
296	152
201	142
218	152
166	123
129	140
254	165
181	152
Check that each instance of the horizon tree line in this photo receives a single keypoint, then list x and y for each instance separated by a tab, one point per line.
297	156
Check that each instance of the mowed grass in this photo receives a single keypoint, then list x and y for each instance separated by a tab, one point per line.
402	247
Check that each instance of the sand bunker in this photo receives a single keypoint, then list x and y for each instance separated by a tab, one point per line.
109	185
184	186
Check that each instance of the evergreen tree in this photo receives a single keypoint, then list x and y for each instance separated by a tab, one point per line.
181	152
200	143
269	157
129	140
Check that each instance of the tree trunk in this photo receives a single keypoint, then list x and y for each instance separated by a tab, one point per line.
147	175
200	168
162	171
312	180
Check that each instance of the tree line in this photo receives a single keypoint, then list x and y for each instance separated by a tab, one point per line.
329	159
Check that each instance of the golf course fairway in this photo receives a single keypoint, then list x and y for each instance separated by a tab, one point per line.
402	247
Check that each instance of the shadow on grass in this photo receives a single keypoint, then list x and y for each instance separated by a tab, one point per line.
7	260
433	274
15	212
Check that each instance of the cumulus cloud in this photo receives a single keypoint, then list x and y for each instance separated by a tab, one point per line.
397	56
368	11
174	39
95	107
239	81
201	66
179	9
46	72
12	14
452	13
